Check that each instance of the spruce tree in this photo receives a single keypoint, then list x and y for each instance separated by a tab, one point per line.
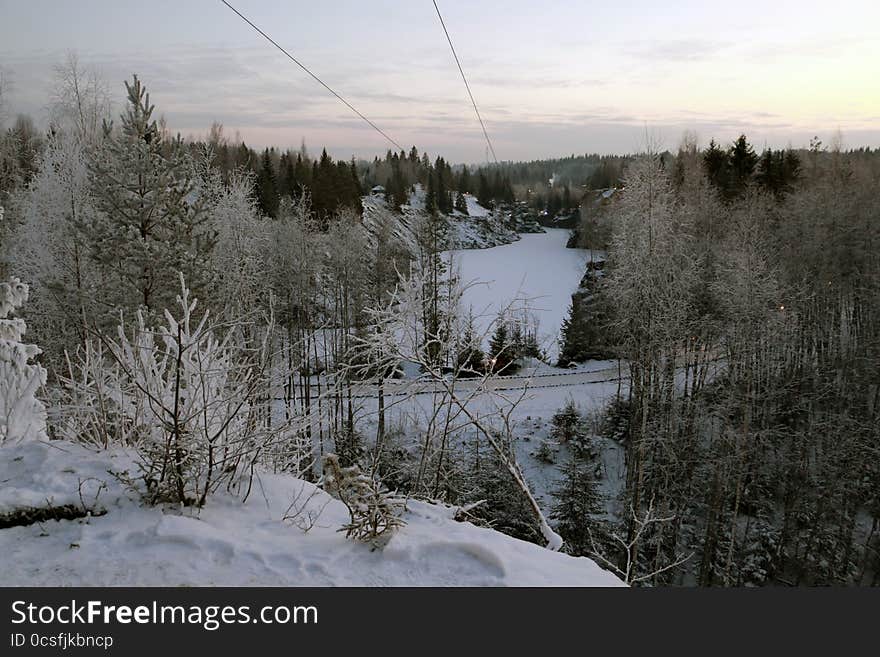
484	193
501	349
431	195
301	175
577	503
267	186
471	359
717	166
530	346
289	185
575	343
464	180
517	340
569	428
742	165
398	186
461	203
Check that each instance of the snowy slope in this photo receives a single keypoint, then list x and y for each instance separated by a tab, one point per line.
474	208
236	544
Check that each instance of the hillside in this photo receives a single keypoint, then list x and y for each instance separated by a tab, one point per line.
235	543
481	228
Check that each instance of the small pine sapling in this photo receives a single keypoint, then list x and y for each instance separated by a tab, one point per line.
569	428
374	513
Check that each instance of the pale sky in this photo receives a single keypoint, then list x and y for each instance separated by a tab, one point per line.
551	78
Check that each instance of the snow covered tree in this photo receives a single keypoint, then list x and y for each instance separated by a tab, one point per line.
150	225
190	399
461	203
80	100
22	415
238	260
649	284
51	248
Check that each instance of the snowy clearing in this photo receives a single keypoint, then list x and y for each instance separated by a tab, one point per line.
537	271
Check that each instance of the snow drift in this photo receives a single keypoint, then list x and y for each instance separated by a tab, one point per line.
284	534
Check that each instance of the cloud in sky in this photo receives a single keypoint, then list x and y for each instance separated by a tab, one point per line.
551	79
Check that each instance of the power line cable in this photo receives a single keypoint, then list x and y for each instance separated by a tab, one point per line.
315	77
464	78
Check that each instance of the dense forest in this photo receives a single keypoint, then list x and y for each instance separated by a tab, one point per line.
763	470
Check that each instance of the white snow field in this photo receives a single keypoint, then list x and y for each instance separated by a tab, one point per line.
537	271
236	544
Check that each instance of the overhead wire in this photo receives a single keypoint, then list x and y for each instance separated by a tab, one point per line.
314	76
466	85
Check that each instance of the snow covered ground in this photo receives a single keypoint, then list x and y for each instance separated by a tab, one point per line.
537	271
235	544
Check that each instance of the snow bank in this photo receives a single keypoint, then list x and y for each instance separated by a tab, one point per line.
238	544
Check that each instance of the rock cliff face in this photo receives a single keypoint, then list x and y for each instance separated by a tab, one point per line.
479	229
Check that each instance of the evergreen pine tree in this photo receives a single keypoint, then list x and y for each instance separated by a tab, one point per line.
517	340
389	197
398	186
285	175
768	172
151	223
324	197
530	346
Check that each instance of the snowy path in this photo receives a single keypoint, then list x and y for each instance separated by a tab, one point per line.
501	383
544	376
